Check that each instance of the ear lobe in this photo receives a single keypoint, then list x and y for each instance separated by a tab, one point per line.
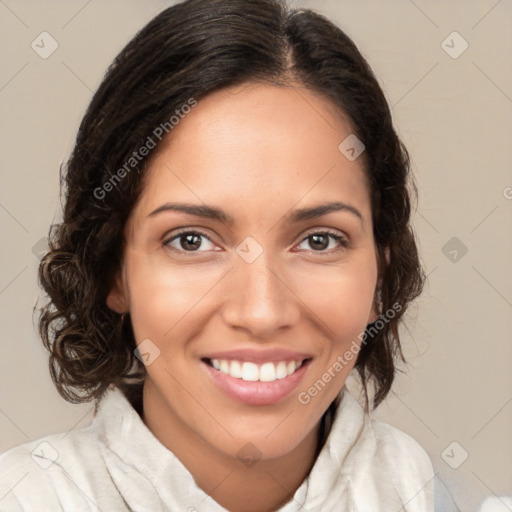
116	299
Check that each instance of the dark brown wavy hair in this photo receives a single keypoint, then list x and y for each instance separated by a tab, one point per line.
187	51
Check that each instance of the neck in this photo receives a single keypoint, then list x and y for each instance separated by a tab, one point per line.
257	486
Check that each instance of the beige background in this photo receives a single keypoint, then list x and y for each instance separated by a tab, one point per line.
453	114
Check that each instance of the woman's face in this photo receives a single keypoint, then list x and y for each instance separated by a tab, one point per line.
229	297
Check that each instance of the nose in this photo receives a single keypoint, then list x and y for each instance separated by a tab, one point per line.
260	300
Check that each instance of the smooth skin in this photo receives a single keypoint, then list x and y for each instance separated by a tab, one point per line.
258	152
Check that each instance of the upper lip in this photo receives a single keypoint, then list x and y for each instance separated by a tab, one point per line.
273	355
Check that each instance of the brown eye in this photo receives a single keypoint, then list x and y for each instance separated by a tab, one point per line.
319	241
188	241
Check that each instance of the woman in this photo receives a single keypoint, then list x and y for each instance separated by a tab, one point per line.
236	240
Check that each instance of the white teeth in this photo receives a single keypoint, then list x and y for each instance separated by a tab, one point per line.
267	372
249	371
224	366
281	372
235	370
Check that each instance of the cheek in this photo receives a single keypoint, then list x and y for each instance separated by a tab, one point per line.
341	302
170	301
340	297
164	298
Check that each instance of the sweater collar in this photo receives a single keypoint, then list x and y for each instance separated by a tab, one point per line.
129	446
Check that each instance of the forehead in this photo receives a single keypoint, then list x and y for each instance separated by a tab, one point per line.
257	146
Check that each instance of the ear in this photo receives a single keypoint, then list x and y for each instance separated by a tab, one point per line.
117	296
376	306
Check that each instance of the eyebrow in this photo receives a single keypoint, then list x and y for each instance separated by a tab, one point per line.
298	215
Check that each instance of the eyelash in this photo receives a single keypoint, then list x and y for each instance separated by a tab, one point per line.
342	241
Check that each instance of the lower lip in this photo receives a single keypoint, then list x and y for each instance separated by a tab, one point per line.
256	392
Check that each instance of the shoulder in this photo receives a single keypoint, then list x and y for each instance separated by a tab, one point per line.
377	465
67	468
39	471
401	449
380	444
41	453
75	447
406	464
33	472
385	466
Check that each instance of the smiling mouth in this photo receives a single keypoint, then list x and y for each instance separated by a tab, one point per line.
252	372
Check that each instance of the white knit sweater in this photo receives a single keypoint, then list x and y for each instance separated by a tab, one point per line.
116	464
